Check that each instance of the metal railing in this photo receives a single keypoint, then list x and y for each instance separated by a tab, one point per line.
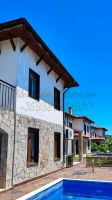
99	160
7	95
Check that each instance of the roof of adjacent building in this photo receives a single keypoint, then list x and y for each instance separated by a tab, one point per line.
99	127
84	118
78	117
22	29
69	115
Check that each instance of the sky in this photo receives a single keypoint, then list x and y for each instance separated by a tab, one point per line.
79	32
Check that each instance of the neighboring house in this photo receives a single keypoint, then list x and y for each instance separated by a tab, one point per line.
69	134
81	126
32	85
98	134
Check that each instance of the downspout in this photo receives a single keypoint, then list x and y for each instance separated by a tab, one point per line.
64	125
14	142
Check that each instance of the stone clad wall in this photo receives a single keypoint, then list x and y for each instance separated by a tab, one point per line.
7	134
46	148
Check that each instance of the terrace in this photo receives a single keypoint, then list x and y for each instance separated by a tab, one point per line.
78	171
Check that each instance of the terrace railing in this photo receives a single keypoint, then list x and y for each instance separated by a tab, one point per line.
7	95
99	160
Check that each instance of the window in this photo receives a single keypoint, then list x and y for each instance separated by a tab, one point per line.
88	129
88	145
33	146
70	124
85	129
34	85
57	146
56	99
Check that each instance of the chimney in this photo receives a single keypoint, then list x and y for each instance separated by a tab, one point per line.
70	110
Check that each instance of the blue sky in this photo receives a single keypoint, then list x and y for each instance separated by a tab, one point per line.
79	32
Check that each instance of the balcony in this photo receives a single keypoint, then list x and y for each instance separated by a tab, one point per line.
98	138
7	96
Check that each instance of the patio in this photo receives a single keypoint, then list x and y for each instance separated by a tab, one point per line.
78	171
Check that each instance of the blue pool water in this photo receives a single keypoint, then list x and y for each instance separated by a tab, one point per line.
102	154
76	190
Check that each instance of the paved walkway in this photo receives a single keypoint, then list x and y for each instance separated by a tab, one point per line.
78	171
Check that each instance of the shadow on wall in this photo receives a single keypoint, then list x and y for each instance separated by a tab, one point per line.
3	157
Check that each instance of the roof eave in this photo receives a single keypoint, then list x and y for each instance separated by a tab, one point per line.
23	21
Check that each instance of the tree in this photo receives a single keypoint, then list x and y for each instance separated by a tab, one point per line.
102	148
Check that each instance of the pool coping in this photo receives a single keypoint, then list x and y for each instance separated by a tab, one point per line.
25	197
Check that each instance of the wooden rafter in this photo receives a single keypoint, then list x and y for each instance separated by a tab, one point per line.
50	70
59	77
67	85
24	45
40	59
12	42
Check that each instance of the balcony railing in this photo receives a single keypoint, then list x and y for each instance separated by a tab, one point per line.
7	95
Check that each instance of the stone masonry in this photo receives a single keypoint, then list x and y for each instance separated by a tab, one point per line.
46	164
7	138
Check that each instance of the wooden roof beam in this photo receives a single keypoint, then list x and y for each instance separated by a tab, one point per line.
67	85
24	46
50	70
59	77
40	59
12	42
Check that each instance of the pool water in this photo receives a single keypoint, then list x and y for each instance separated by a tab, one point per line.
68	197
71	189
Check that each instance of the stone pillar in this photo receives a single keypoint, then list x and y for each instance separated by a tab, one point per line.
80	147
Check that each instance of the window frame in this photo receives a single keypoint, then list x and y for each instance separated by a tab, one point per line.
85	128
70	125
55	104
37	76
56	158
34	131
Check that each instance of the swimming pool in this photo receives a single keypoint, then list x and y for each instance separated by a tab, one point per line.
72	189
103	154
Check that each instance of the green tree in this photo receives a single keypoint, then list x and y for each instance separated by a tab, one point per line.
102	148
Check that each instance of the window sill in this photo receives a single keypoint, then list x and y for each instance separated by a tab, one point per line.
36	99
32	164
57	109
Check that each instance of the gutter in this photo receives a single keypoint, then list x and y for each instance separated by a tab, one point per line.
14	142
64	124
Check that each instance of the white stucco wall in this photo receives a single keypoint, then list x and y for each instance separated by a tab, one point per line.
44	108
14	69
8	62
78	124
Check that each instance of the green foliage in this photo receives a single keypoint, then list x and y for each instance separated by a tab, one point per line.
103	148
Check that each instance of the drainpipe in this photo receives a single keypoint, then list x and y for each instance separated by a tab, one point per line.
14	139
64	125
80	147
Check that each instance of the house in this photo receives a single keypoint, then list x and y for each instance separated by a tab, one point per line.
81	126
69	136
98	134
32	86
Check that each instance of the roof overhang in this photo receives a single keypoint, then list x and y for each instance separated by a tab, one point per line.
98	138
22	29
98	127
84	118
